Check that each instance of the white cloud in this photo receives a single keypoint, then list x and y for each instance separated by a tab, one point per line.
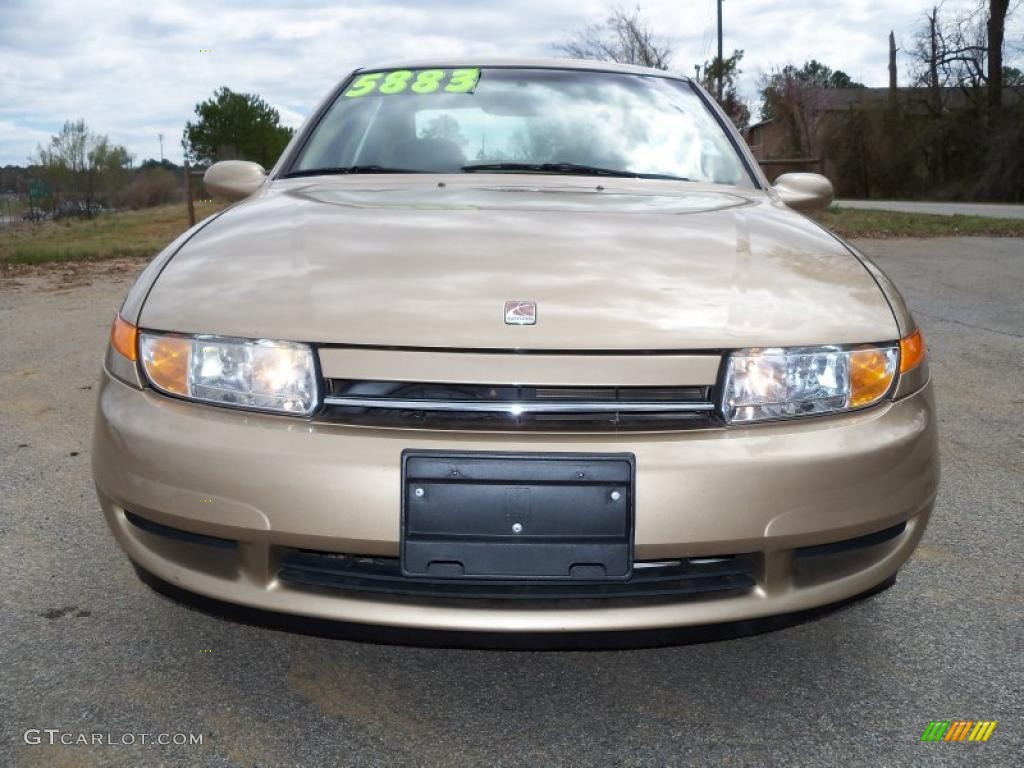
136	72
19	142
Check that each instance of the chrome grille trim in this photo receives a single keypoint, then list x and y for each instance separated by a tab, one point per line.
516	408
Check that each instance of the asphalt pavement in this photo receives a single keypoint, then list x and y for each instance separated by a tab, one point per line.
85	648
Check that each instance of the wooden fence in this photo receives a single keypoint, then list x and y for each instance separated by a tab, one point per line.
775	167
190	188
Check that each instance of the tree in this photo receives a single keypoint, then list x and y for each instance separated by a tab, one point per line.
82	167
444	127
63	159
167	165
730	71
996	31
812	75
106	174
823	76
963	50
626	38
235	125
1013	77
154	184
949	50
798	98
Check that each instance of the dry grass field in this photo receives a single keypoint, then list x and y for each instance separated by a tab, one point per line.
144	233
109	235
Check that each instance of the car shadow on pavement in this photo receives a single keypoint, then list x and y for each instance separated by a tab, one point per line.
526	641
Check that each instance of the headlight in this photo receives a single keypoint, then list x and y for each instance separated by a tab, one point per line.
277	376
775	383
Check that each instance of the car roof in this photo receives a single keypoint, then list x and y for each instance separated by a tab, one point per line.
524	63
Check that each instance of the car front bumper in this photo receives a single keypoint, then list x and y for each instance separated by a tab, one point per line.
276	485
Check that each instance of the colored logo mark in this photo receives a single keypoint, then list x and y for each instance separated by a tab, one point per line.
958	730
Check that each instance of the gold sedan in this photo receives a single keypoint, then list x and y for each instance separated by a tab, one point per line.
516	347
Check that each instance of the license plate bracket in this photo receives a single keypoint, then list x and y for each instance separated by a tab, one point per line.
517	516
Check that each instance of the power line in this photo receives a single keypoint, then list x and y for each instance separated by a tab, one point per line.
706	39
721	67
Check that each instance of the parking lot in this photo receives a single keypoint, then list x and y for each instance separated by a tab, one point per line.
86	648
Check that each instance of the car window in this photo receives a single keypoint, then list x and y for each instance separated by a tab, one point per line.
633	124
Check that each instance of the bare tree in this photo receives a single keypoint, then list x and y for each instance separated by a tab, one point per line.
798	104
624	37
950	49
798	97
962	50
64	159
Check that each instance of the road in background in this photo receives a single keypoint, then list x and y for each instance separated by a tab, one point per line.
85	647
988	210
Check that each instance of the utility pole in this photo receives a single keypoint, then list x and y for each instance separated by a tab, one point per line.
892	66
721	63
933	58
161	137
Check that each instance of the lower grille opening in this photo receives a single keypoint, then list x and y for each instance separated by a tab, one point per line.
650	579
849	545
837	560
177	534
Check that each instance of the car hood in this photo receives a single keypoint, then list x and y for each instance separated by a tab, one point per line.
611	264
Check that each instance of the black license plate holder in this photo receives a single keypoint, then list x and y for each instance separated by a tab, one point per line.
517	516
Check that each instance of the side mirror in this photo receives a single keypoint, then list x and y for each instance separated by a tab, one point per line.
802	191
234	179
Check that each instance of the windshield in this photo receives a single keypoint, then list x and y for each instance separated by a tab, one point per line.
521	120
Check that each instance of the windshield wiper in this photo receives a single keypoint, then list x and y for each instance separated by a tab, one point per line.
348	169
571	169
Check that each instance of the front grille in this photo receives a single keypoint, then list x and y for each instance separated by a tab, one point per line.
481	406
383	576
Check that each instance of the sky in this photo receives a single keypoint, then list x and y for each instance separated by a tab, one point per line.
135	69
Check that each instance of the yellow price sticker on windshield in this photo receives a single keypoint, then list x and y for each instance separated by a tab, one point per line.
423	81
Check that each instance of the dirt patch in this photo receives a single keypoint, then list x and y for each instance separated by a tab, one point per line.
60	276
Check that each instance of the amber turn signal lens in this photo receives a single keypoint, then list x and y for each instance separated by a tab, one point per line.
124	337
166	360
871	375
911	351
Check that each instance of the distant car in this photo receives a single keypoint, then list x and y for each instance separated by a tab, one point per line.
34	214
520	347
70	208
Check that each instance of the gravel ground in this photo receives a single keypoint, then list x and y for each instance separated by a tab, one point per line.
85	647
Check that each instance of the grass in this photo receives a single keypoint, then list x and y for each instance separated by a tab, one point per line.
109	235
13	207
850	222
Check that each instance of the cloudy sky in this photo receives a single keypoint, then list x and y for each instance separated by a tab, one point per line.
134	69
